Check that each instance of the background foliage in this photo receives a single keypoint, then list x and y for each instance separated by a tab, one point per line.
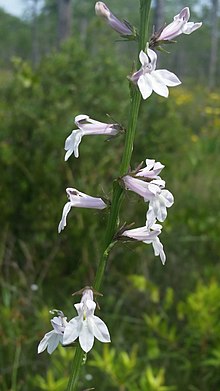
169	334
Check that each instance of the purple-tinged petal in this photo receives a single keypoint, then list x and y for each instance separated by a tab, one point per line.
101	9
189	27
183	15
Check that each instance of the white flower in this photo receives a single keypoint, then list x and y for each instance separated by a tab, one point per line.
153	191
79	200
158	204
122	28
86	126
148	234
86	326
149	79
151	170
52	339
180	25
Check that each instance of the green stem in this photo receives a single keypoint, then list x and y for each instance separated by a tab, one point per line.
76	368
118	192
15	366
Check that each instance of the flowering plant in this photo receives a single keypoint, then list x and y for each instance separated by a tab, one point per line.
144	181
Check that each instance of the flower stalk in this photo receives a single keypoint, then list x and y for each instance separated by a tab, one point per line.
76	369
117	196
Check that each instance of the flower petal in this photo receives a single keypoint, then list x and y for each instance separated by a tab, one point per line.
166	77
86	337
81	117
158	86
99	329
71	331
54	342
168	198
150	216
158	250
145	86
62	223
153	58
72	143
144	59
189	27
44	342
159	208
183	15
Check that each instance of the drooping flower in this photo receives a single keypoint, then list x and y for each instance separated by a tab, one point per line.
123	28
150	79
151	187
141	180
79	200
148	234
52	339
86	326
180	25
87	126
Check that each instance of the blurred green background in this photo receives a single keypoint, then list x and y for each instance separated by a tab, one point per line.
164	320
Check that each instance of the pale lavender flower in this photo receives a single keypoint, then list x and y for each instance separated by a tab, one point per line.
152	191
52	339
152	169
180	25
87	126
149	79
122	28
138	186
148	234
158	204
142	180
79	200
86	326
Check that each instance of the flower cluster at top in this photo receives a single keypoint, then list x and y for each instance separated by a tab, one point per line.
148	78
86	326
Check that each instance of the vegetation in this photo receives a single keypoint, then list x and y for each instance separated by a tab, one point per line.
169	334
